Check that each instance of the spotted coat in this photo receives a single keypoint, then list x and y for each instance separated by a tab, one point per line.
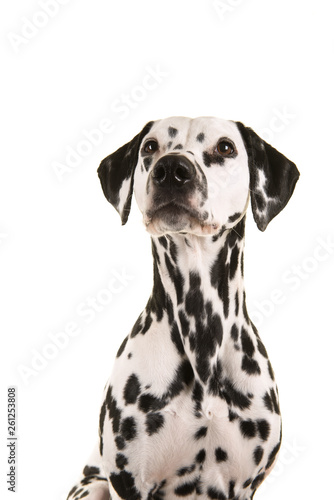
191	408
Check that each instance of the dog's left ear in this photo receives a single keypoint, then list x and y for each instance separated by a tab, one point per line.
272	177
116	173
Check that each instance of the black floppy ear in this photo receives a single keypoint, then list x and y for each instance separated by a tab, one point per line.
116	174
272	177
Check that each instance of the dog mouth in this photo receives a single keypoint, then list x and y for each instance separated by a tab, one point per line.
175	217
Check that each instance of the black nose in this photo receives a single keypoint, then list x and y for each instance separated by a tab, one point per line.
173	170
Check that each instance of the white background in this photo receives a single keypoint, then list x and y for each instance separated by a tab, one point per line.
60	241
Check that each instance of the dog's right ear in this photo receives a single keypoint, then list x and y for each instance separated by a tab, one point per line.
116	173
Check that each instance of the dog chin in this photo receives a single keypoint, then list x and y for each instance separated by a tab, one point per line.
159	225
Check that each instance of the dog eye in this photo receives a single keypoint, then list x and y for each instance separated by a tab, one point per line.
225	148
151	147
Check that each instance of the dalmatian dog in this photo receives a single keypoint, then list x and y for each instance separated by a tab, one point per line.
191	409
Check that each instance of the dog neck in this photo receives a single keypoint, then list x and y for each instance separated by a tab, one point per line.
199	289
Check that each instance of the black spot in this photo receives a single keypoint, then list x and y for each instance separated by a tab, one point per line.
194	297
250	366
172	132
163	241
83	495
135	329
176	339
170	309
114	411
258	454
89	470
268	402
271	371
128	428
200	137
257	481
234	332
215	379
221	455
121	349
234	396
184	323
231	494
248	428
155	252
186	470
124	485
244	308
148	402
197	396
261	348
247	483
72	491
176	278
232	416
131	390
157	301
201	433
212	158
275	402
147	162
78	492
219	234
115	414
234	217
173	250
236	300
272	456
102	418
186	489
202	367
192	341
247	343
216	328
120	443
220	278
147	324
237	233
216	494
234	260
178	146
200	457
263	428
154	422
121	461
183	377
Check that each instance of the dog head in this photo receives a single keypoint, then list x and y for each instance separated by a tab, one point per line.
197	175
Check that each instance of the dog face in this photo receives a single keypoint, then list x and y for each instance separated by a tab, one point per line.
197	175
191	176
